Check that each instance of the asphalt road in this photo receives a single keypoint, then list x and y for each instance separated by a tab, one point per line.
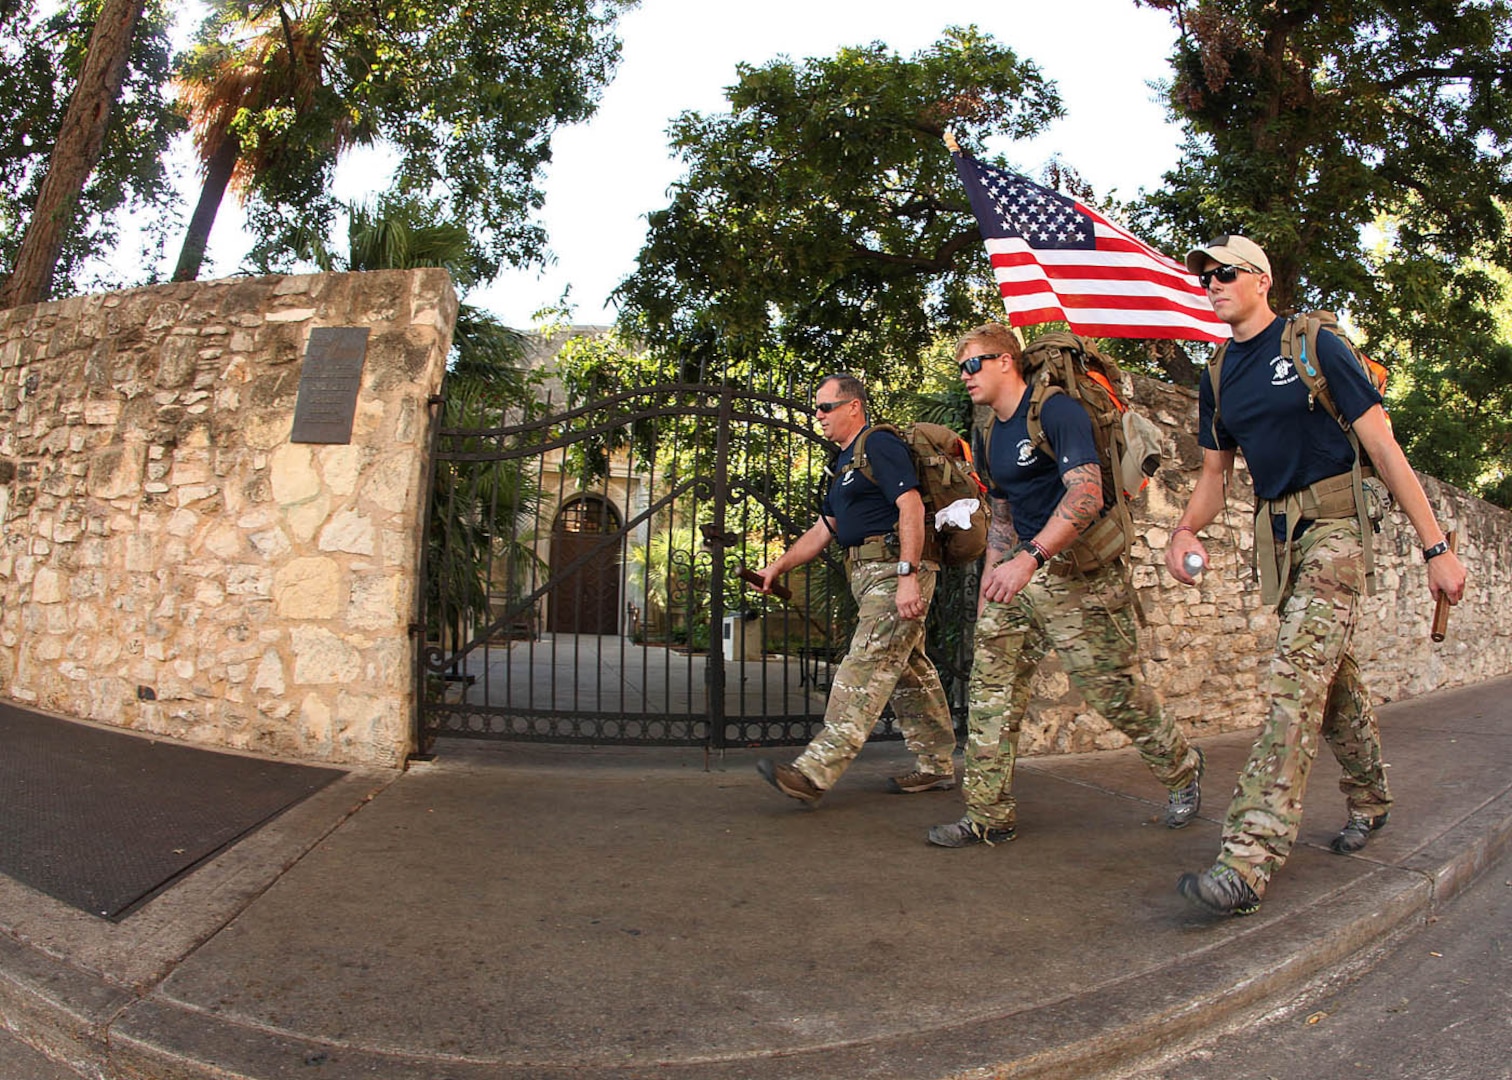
1437	1007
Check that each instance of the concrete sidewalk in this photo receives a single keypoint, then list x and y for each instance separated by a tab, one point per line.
513	911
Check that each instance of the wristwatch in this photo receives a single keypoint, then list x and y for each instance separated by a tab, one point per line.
1040	558
906	568
1435	551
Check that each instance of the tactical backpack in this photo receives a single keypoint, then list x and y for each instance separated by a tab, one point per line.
946	475
1357	494
1128	443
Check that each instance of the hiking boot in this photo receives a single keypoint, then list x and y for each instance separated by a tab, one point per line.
1220	890
789	781
919	780
966	832
1356	832
1183	803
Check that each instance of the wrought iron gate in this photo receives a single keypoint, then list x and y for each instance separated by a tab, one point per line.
582	576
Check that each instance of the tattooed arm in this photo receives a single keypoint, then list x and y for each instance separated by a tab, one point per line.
1078	508
1001	539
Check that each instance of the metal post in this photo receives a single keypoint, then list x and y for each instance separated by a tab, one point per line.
715	667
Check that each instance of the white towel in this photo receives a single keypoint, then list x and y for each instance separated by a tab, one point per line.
957	515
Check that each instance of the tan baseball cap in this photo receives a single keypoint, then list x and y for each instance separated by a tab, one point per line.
1231	250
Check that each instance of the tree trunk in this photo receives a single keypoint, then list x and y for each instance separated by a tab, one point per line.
218	170
80	142
1175	363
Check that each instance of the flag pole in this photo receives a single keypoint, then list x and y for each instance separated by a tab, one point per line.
950	142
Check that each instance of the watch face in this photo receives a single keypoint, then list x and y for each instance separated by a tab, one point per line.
904	569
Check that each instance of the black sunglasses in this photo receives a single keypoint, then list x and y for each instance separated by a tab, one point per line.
827	407
1227	275
973	364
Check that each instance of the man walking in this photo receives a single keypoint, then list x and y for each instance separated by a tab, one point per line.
881	527
1030	600
1302	464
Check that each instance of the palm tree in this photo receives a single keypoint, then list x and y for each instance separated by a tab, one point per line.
257	104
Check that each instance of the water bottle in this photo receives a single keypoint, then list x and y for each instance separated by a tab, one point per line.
1193	563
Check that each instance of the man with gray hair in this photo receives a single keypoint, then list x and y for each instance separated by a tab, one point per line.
880	524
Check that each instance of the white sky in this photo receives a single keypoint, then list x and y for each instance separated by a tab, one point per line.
607	174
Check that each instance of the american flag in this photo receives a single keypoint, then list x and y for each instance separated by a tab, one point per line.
1054	259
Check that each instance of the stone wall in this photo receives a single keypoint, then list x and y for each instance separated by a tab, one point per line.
1208	648
172	562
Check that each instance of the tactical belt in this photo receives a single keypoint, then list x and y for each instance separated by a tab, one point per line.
1331	499
873	549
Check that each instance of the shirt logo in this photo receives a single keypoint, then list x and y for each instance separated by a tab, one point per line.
1282	371
1025	453
847	478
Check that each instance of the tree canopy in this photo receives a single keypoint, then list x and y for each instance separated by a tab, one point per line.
466	96
42	50
256	92
822	215
1364	144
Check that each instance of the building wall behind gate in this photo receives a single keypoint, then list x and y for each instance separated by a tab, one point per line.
172	561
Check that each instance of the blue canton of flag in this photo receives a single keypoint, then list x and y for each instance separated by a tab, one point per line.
1040	216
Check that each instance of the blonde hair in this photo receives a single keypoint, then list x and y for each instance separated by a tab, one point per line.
998	338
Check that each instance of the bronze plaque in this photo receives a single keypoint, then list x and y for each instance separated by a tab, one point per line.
328	384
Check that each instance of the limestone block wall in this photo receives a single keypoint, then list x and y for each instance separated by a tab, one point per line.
172	562
1208	649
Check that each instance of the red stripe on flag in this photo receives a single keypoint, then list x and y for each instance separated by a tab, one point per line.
1041	243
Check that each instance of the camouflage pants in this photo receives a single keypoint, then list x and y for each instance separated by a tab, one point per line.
1090	624
1315	689
886	659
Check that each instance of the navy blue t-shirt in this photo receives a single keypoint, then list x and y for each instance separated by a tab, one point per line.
861	508
1028	478
1264	412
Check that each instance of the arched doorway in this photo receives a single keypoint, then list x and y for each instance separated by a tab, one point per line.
587	599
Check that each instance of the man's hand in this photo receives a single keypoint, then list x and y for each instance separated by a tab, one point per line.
1446	577
1005	580
910	598
768	574
1182	543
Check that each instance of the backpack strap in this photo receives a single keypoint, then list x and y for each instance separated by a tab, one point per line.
1215	373
862	464
1318	390
1040	393
981	452
1113	528
859	461
1299	344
